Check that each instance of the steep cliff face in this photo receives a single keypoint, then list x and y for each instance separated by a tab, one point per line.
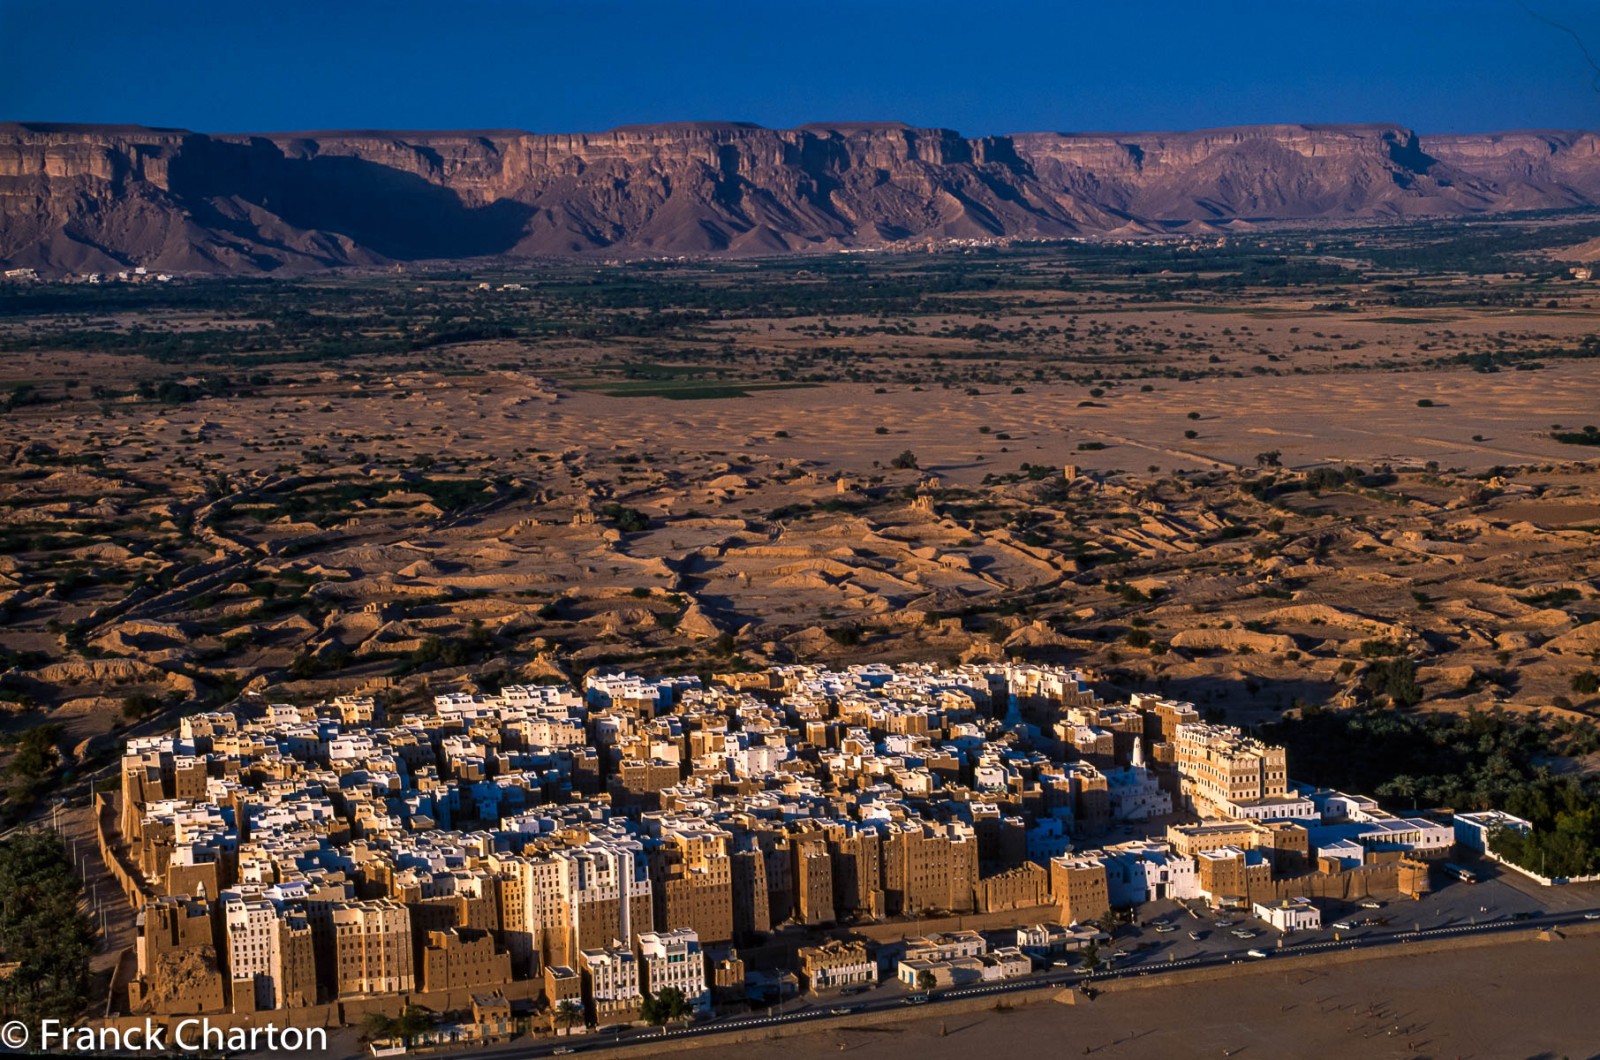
74	198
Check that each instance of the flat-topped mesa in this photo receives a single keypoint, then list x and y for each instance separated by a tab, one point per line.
82	197
1532	169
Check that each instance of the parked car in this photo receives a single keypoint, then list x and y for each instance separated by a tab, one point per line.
1165	928
1258	953
1243	933
916	999
1344	925
1372	903
1196	935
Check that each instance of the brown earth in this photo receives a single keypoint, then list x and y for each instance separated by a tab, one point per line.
1518	999
410	520
750	537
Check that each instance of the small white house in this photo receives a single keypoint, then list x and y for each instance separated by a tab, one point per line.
1290	914
1472	830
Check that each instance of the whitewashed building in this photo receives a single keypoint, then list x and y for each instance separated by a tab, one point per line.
251	927
1473	830
1148	871
1290	914
610	984
672	959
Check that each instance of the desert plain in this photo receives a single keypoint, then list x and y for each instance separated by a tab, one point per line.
1248	472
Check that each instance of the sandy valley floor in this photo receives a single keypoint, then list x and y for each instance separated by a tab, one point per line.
1523	999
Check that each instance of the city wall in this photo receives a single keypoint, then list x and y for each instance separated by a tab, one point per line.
1347	886
128	879
896	930
780	950
349	1012
1543	881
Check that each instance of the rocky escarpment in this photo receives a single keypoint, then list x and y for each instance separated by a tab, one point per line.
74	198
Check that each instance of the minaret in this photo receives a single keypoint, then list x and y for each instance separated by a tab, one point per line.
1138	752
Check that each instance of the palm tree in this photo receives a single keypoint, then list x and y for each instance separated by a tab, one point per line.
414	1020
377	1026
1404	786
667	1006
568	1013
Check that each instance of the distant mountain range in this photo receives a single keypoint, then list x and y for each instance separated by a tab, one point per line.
75	198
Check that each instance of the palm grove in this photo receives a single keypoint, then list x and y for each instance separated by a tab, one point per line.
1474	761
43	936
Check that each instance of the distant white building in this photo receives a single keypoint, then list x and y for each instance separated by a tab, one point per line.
1043	941
1003	962
756	759
1352	840
1140	872
835	964
1335	806
626	690
1414	835
1349	853
673	959
1136	795
1270	808
251	928
1290	914
1473	830
946	945
1134	792
610	984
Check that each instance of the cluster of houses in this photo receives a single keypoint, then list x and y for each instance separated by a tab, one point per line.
587	849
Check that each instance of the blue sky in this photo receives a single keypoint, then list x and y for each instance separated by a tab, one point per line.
976	66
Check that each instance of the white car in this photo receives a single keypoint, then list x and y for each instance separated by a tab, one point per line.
1258	953
1165	929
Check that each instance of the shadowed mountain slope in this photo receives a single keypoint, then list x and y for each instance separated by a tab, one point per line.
81	197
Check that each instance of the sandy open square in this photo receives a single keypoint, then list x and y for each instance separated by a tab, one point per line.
1512	1000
